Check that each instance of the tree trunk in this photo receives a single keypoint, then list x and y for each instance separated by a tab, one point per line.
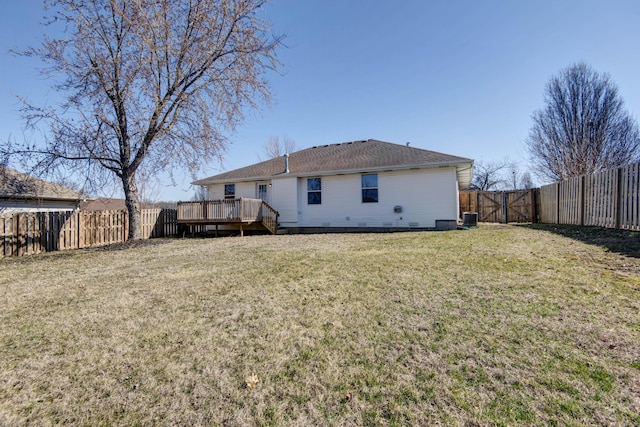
133	207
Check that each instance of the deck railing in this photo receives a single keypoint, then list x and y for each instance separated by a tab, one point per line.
232	211
269	217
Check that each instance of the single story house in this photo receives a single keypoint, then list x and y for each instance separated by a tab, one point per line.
20	192
369	184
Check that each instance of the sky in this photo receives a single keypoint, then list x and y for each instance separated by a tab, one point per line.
460	77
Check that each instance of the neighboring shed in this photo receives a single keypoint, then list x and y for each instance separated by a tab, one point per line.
359	185
20	192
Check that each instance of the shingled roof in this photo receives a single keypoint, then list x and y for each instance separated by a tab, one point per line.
110	204
18	185
356	156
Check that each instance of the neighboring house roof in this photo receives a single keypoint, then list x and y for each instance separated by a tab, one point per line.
20	186
103	204
108	204
356	156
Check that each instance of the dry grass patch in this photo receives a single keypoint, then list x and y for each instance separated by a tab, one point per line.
499	325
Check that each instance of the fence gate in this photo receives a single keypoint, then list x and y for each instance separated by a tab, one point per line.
489	206
500	206
520	206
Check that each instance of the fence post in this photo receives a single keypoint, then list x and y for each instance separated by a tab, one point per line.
557	202
81	229
477	203
125	230
3	230
619	198
16	229
505	215
43	231
78	220
582	207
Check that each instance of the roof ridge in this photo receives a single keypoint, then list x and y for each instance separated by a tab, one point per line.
336	144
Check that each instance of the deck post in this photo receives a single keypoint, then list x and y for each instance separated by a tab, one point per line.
241	231
619	195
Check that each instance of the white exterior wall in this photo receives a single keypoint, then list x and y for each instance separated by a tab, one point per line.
283	198
243	189
425	196
215	192
8	206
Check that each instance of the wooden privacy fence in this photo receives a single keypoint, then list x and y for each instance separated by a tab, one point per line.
159	223
610	198
500	206
29	233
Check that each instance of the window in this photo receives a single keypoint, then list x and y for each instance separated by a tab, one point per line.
229	191
370	188
314	191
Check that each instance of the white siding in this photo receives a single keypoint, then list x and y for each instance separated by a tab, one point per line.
215	192
246	189
425	196
7	206
284	199
243	189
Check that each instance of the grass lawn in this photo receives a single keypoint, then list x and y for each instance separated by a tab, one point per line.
499	325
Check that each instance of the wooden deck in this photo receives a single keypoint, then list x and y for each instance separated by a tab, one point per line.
239	212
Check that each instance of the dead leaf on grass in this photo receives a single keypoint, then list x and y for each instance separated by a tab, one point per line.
252	381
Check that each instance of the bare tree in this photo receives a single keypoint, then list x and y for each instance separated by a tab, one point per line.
515	179
199	194
490	176
275	146
513	176
583	127
149	186
153	82
526	182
